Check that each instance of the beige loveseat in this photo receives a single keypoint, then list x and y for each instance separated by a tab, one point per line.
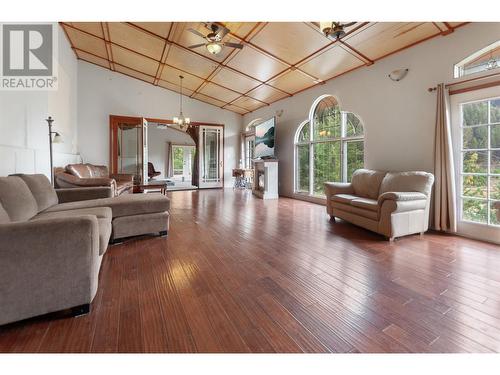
51	252
391	204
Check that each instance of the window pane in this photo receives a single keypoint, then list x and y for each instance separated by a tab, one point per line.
476	137
475	162
495	136
495	111
303	168
495	162
493	215
475	186
178	160
304	133
327	123
475	210
353	125
495	187
355	157
475	113
327	165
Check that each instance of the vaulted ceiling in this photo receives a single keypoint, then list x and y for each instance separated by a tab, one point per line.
279	59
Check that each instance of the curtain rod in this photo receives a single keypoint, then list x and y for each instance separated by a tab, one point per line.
431	89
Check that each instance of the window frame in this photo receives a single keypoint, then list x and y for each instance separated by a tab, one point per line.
311	142
488	174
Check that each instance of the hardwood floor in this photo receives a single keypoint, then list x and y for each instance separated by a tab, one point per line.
237	274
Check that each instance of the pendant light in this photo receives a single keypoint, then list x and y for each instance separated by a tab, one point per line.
181	120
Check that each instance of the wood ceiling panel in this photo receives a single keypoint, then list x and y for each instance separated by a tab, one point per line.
290	41
171	74
158	28
256	64
208	99
267	94
134	61
135	39
240	29
134	74
94	28
292	81
175	87
93	59
181	35
190	62
331	62
379	39
236	109
86	42
218	92
248	103
233	80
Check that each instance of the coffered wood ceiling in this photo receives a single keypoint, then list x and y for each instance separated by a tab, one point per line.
279	59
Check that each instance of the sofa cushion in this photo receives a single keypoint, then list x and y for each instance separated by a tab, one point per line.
343	198
16	199
4	216
366	203
98	170
366	183
369	214
79	170
99	212
42	190
123	205
407	181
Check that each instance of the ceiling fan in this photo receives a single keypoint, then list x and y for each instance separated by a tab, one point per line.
334	29
214	42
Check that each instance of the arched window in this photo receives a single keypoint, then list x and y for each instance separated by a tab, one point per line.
329	146
486	59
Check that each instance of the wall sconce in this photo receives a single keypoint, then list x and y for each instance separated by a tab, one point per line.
398	74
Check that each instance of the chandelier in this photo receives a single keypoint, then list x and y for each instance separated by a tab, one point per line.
181	120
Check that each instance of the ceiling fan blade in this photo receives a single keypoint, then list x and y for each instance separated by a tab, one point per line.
196	32
222	32
234	45
348	24
196	45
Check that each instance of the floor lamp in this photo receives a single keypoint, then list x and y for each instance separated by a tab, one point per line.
57	139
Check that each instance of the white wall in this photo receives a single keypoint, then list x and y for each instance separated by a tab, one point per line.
24	142
102	92
157	145
398	116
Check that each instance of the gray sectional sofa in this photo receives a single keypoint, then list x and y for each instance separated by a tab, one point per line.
52	242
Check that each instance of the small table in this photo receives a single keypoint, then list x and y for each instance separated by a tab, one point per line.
159	185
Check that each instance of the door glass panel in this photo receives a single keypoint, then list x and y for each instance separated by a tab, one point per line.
475	113
475	137
475	210
475	162
211	155
130	150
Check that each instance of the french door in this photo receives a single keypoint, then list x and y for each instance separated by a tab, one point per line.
211	161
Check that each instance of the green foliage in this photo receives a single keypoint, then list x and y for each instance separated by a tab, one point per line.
327	123
303	168
355	157
178	160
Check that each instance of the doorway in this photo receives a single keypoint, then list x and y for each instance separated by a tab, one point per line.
187	158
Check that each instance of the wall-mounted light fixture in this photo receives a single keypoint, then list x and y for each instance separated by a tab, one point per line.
398	74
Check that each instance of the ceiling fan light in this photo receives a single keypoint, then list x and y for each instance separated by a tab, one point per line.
325	27
214	48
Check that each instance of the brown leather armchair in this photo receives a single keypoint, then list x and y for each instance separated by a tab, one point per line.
86	175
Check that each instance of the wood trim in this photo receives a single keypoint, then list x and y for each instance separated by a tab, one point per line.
474	88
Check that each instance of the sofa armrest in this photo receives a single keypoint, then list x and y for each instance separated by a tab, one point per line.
390	206
47	265
332	188
84	193
401	196
122	177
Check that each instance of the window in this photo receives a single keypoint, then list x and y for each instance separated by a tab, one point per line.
483	60
480	161
328	147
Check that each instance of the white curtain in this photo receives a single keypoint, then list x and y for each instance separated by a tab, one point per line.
169	161
444	218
